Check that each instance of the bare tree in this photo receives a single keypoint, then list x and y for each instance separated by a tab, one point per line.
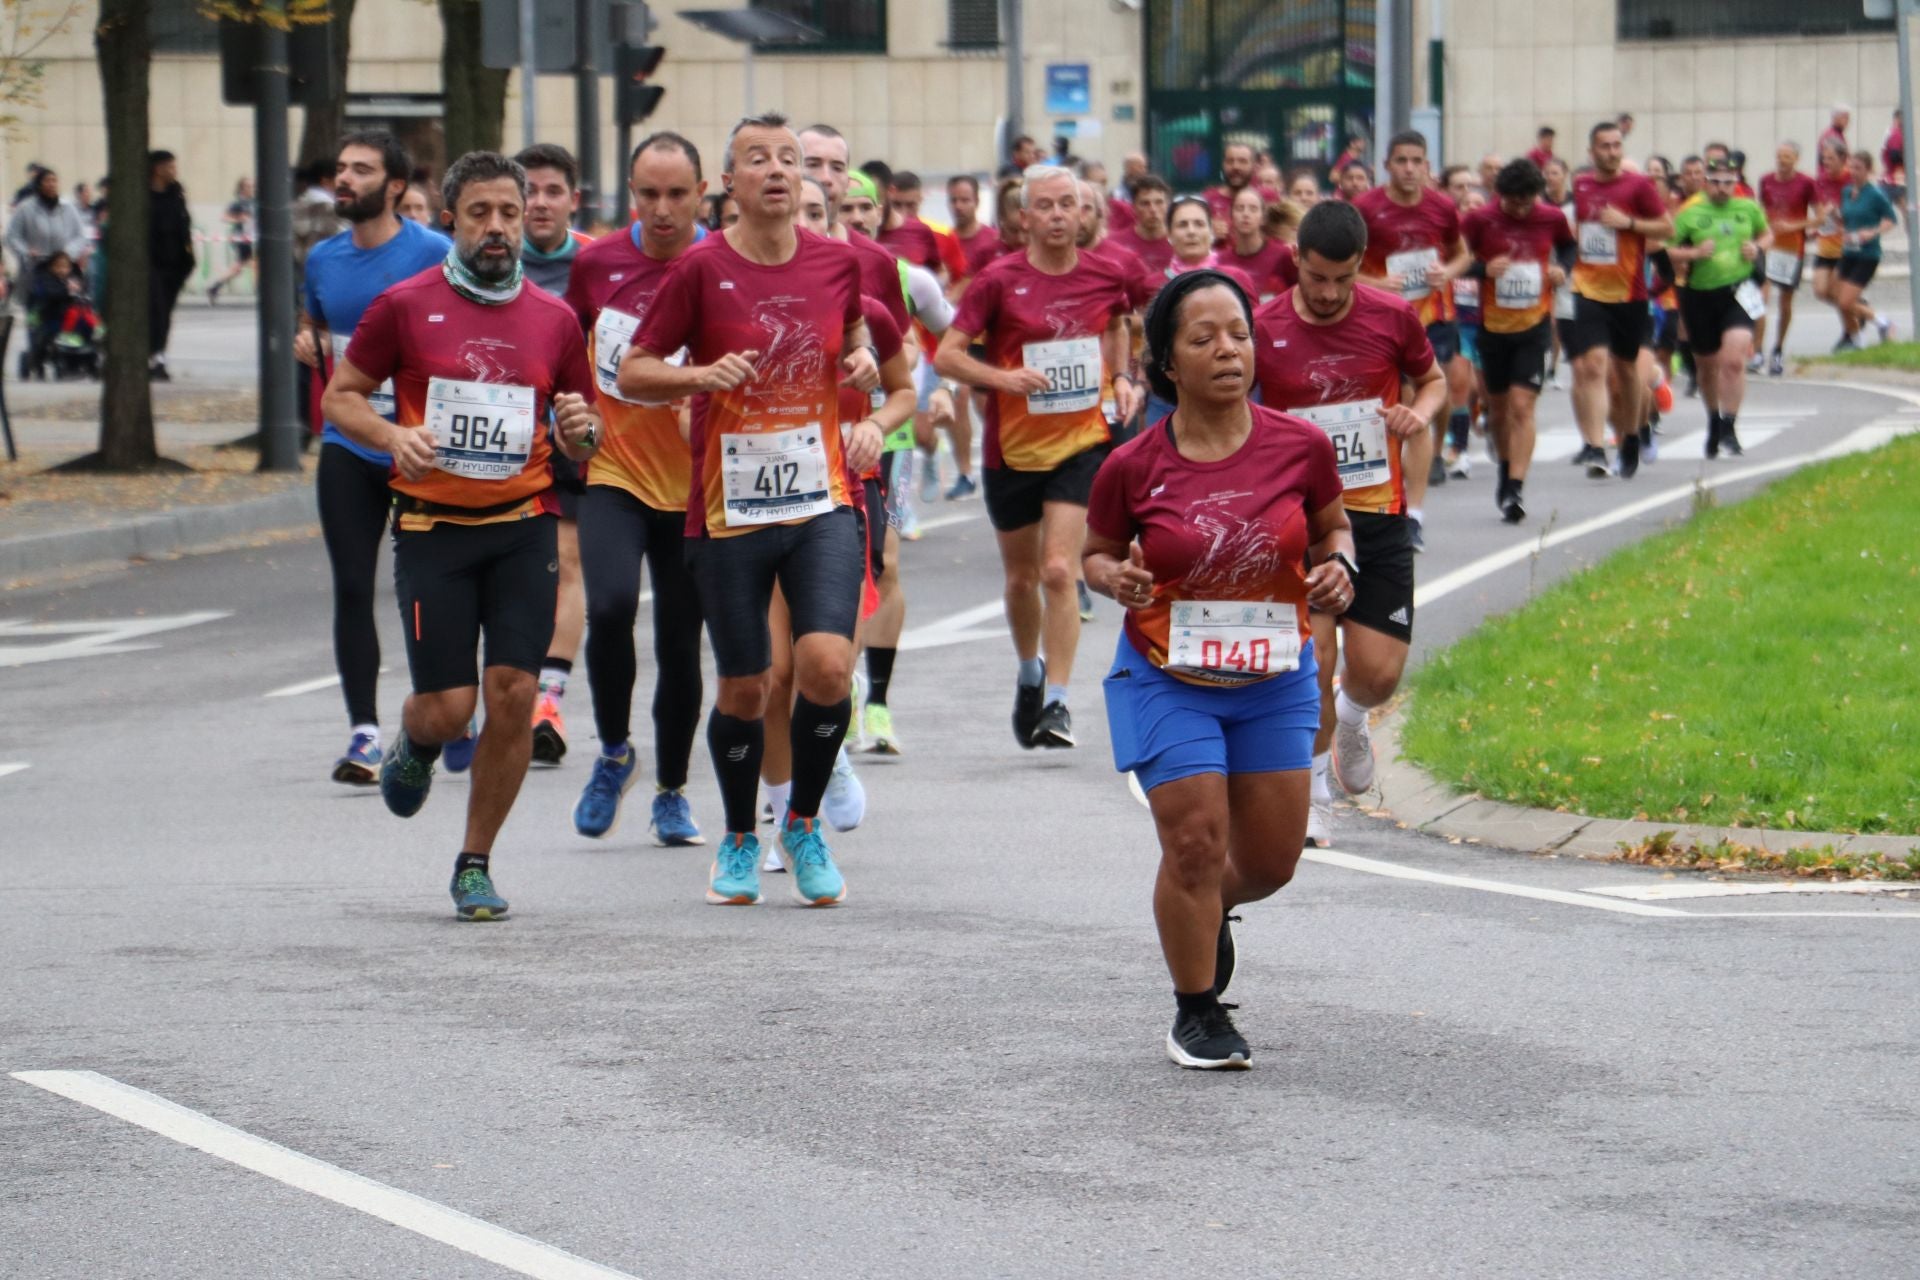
475	96
125	49
327	117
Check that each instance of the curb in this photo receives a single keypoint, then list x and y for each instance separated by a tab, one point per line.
176	532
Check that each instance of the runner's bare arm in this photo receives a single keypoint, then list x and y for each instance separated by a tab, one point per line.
576	426
1332	533
648	378
952	361
1116	348
1430	394
346	406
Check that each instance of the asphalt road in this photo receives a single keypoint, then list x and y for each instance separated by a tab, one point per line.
957	1074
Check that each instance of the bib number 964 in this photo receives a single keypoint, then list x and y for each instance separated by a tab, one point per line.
476	431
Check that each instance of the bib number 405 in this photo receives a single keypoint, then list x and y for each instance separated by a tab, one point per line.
476	431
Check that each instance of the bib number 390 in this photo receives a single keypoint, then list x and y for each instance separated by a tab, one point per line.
1072	369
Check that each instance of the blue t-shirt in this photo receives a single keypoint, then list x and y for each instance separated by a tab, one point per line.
343	281
1864	210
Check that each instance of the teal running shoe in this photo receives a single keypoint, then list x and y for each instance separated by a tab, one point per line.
473	895
597	812
816	880
458	754
404	779
673	825
736	872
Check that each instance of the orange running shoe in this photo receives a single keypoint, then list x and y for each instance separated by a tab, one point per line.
549	731
1663	396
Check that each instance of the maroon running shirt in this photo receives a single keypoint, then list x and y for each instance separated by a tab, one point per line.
1792	199
915	241
880	277
1523	298
980	248
1155	254
1270	267
1400	237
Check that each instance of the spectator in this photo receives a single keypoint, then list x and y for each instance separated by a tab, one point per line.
1542	151
1625	121
169	255
415	205
44	224
240	224
27	188
54	294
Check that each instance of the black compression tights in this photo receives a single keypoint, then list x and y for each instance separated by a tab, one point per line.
354	505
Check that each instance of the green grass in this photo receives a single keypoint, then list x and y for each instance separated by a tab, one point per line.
1759	665
1884	355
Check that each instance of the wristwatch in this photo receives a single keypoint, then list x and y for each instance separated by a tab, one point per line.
592	439
1353	572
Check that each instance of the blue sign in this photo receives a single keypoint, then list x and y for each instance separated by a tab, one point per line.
1069	88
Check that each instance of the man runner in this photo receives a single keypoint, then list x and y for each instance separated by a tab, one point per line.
1789	198
1336	355
1722	236
1236	174
1147	238
477	359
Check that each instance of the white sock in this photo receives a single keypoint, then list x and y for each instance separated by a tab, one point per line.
778	793
1347	711
553	681
1419	515
371	730
1322	768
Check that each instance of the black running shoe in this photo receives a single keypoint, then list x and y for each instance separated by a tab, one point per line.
1713	437
1225	956
1208	1042
1597	468
1416	535
1028	700
1437	472
1629	455
1511	511
1055	728
1731	442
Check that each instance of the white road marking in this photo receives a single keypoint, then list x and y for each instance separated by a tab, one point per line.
509	1249
307	686
941	522
1804	915
89	639
1395	871
1670	890
6	769
956	628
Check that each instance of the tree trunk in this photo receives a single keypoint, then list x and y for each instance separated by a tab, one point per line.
327	120
126	402
476	96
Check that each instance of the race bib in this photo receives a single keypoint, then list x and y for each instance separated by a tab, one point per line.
1783	268
1466	292
1411	267
611	334
481	430
1599	244
382	397
1518	289
1233	640
1563	303
1750	299
1072	369
770	476
1359	436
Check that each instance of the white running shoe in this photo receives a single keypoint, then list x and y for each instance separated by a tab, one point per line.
773	861
1320	824
845	803
1353	757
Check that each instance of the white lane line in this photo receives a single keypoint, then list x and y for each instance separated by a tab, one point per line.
1805	915
1395	871
509	1249
956	628
6	769
941	522
1670	890
307	686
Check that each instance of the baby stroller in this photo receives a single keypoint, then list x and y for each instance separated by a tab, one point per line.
63	326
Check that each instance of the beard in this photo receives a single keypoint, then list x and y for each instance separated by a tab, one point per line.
361	208
492	270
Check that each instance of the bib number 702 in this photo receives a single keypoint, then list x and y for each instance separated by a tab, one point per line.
476	431
777	480
1248	657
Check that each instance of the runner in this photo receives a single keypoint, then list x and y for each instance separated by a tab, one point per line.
1213	514
1267	262
1190	231
1147	238
1789	197
1617	212
1865	215
553	197
1516	242
477	361
1053	321
1830	237
1336	354
1720	238
766	312
1304	189
1466	306
1236	174
910	239
1354	180
978	241
344	275
1414	249
635	506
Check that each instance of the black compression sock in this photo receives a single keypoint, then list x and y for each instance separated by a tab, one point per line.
562	665
466	860
817	734
419	750
1458	428
1198	1002
737	746
879	673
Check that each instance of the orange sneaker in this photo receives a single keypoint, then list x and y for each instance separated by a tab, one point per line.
549	731
1663	396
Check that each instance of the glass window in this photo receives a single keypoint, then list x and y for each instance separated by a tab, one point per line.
849	26
973	24
1689	19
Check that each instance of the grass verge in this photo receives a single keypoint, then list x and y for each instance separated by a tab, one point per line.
1733	858
1755	666
1882	355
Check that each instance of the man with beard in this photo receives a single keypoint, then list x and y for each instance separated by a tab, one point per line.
1236	172
343	276
477	362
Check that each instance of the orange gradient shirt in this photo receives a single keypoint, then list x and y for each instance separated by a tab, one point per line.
1611	266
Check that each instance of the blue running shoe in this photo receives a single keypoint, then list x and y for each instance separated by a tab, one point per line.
962	488
597	812
736	872
816	881
473	895
673	826
458	754
404	780
360	767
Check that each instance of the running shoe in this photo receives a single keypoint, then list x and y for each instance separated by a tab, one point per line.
1436	472
816	881
1629	455
1416	534
473	894
736	872
360	767
1055	728
1713	437
1731	442
673	826
772	863
845	803
1320	823
1462	468
929	477
549	731
597	812
1756	362
1086	601
458	754
877	729
1208	1042
1597	468
1885	326
1512	510
1028	701
1588	452
1663	396
1649	450
1353	756
1226	955
962	488
404	779
909	523
1776	365
1845	344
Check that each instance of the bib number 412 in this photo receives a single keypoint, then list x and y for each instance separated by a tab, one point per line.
777	480
476	431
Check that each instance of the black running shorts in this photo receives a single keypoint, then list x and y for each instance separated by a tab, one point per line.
821	568
1509	360
458	584
1017	499
1622	326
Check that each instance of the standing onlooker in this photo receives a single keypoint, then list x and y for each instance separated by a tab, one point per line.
240	223
169	255
42	225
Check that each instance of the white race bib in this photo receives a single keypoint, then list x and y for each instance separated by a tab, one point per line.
770	476
382	397
481	430
612	331
1563	303
1359	436
1233	639
1783	268
1518	288
1750	299
1072	368
1411	267
1466	292
1599	244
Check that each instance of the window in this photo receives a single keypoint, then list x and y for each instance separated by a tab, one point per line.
1691	20
846	26
973	24
178	26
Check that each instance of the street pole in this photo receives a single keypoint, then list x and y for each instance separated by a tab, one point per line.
529	76
746	71
586	108
622	197
1385	32
1013	35
279	427
1902	34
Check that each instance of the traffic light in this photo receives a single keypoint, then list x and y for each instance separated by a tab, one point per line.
634	98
